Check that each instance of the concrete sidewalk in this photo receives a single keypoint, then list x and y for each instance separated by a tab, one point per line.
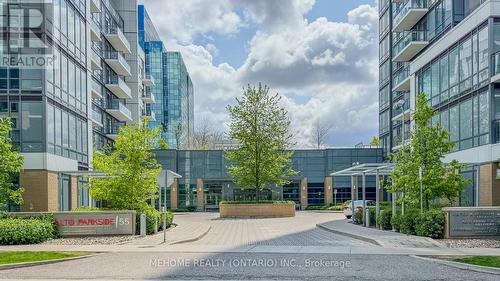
183	233
387	239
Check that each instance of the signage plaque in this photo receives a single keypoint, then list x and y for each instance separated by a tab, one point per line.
473	222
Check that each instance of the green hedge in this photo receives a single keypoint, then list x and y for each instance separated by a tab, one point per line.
154	220
357	218
431	224
256	202
17	231
384	220
396	222
324	207
408	221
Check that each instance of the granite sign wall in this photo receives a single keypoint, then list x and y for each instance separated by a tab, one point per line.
472	222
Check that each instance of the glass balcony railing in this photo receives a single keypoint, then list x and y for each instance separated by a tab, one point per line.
96	89
496	131
118	63
408	38
114	128
116	37
402	10
401	75
116	85
119	106
401	106
495	60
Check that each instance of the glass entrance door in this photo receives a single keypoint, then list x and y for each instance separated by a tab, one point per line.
213	195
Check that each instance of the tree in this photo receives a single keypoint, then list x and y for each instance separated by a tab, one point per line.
130	168
375	141
205	136
11	162
321	132
429	144
262	129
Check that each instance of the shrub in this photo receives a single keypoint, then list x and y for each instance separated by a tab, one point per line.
431	224
396	222
384	220
191	208
88	209
357	218
408	222
154	220
16	231
373	217
257	202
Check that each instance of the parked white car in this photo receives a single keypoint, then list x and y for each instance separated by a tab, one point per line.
358	204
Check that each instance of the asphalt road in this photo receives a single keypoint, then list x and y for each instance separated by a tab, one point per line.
247	266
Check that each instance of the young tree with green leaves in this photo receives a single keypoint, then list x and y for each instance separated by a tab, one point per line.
375	141
429	144
130	168
262	129
11	162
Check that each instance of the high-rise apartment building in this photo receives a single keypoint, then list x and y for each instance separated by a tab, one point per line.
180	107
173	89
446	49
68	88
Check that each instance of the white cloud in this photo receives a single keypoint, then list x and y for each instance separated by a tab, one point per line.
326	70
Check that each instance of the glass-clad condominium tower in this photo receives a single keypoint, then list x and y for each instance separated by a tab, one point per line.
173	89
446	49
180	107
87	80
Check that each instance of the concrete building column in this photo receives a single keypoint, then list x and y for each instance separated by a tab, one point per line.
74	193
303	193
174	190
200	195
328	191
40	191
489	185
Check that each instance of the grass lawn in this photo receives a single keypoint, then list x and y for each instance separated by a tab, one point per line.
19	257
480	260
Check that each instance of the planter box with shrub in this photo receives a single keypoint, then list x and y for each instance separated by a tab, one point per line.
258	209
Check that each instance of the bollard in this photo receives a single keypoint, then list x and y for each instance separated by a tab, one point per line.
143	225
378	225
367	217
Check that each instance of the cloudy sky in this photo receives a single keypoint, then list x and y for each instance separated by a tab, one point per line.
321	55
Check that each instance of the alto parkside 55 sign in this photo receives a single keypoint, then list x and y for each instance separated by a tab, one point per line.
93	223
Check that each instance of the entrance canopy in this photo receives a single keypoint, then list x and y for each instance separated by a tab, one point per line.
93	174
372	169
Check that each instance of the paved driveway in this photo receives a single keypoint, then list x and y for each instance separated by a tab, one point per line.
300	230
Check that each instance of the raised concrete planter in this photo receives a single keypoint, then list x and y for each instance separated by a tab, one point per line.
277	210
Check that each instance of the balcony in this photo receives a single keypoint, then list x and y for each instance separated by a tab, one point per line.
95	31
95	61
149	115
116	85
116	37
96	90
112	131
148	80
148	97
401	109
408	14
401	80
118	63
117	109
495	60
410	45
95	6
96	118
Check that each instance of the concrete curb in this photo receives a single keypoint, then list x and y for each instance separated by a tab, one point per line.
191	239
324	211
466	266
358	237
35	263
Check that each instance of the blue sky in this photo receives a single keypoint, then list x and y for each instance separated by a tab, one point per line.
320	55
